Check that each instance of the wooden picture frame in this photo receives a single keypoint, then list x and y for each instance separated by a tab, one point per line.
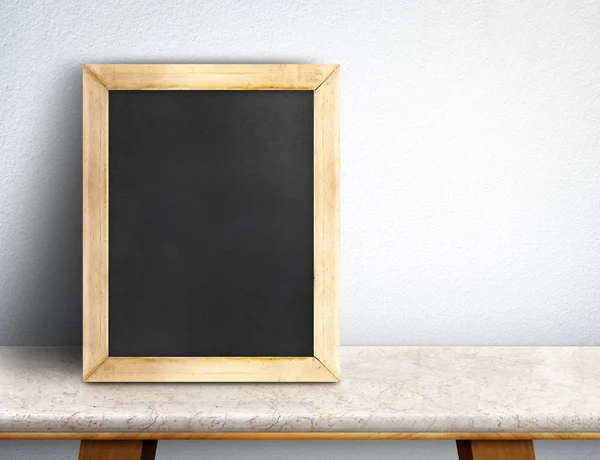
323	80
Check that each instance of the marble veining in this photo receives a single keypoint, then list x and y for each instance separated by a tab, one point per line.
391	389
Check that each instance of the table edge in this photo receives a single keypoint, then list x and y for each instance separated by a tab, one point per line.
307	436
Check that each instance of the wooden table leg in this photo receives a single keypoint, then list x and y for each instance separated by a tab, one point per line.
117	450
495	450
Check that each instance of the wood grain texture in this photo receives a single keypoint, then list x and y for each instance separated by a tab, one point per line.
211	76
211	369
95	223
327	223
117	450
495	450
291	436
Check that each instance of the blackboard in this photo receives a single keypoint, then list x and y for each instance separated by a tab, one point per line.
211	223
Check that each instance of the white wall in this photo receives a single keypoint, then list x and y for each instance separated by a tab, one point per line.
470	170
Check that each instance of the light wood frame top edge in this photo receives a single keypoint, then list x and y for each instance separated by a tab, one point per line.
211	76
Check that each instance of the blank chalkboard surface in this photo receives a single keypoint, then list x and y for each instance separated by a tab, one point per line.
211	223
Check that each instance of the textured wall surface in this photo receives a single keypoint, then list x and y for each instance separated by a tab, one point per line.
470	170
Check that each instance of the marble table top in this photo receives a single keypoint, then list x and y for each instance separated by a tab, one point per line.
383	389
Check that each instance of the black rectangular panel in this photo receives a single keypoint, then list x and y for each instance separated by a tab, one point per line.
211	223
